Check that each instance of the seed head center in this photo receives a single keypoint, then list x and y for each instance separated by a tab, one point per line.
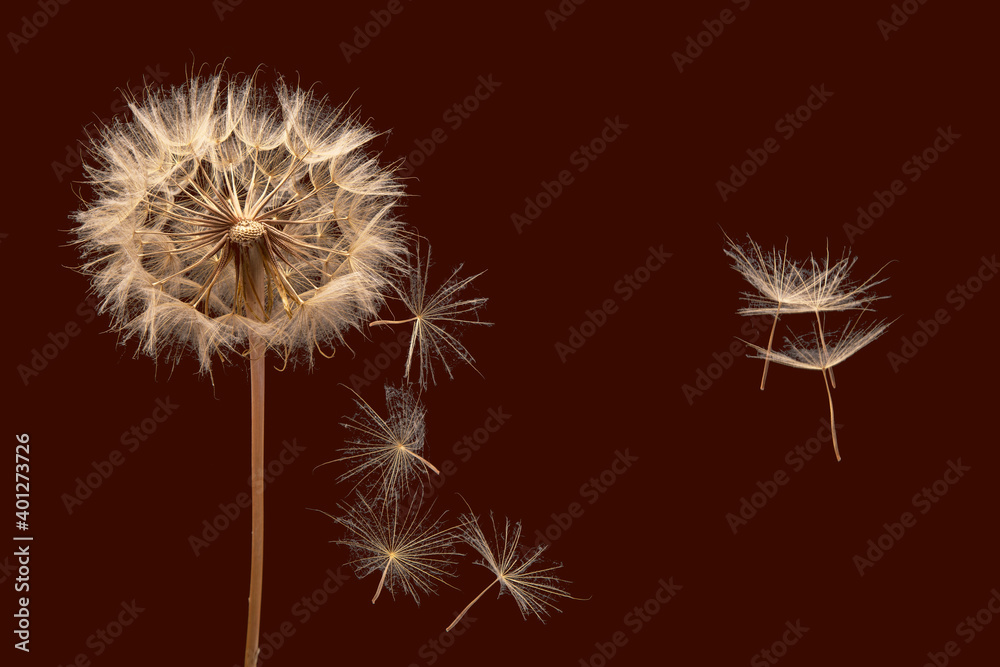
245	232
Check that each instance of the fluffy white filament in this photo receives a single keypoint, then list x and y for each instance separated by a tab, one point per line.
219	173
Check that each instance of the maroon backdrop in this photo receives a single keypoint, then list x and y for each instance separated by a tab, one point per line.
597	152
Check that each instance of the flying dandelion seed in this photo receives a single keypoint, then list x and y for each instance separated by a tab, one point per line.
809	353
786	286
534	590
431	314
827	289
387	453
777	281
414	552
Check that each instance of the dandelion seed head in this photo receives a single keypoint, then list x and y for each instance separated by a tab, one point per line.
218	181
245	232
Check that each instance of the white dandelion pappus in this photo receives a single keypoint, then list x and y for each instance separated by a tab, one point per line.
218	181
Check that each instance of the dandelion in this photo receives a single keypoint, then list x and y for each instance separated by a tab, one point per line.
228	219
430	339
387	452
810	353
827	289
811	287
413	552
534	590
223	212
777	281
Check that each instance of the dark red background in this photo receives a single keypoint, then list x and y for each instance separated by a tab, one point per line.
655	185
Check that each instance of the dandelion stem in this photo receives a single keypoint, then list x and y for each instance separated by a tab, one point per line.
422	460
833	424
770	340
371	324
257	368
469	606
381	582
826	355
